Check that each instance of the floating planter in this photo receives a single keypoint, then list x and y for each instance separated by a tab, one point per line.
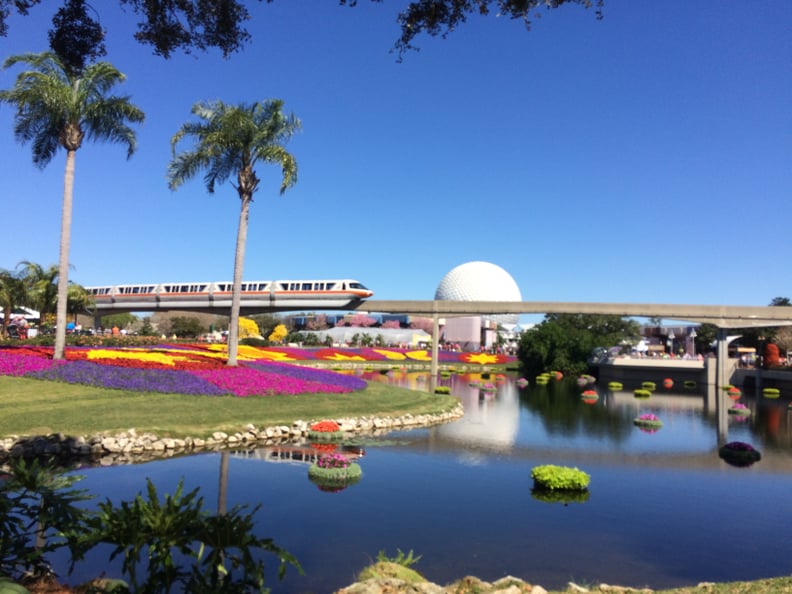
445	374
522	382
648	421
489	388
651	386
582	381
615	386
738	453
668	383
771	392
334	472
738	408
557	375
442	390
542	379
734	393
559	478
642	393
726	387
590	395
474	383
325	431
689	384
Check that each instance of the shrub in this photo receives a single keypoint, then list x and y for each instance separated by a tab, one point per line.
562	478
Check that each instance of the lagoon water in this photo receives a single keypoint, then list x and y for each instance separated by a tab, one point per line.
663	509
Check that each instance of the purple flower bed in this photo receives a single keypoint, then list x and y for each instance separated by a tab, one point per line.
128	378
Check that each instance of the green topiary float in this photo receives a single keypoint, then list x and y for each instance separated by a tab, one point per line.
559	478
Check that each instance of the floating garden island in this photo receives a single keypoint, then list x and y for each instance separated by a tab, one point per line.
557	481
739	453
739	409
648	421
334	472
642	393
615	386
771	392
324	431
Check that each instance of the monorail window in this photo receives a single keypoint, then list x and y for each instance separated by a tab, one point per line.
357	286
330	286
307	286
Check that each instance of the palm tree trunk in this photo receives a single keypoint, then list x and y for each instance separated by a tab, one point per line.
63	262
236	294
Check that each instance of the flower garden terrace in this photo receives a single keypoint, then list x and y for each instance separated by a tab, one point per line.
201	369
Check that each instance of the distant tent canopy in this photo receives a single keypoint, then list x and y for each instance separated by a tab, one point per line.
345	334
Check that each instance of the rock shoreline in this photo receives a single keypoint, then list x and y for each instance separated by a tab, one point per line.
129	447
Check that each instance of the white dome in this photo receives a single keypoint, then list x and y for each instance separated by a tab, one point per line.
480	281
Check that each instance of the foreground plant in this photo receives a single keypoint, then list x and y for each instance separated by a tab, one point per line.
222	546
38	515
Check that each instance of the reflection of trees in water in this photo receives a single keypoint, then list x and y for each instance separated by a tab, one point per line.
563	412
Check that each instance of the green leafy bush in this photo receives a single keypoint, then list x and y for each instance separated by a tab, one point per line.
563	478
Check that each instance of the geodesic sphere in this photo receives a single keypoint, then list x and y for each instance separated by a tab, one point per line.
480	281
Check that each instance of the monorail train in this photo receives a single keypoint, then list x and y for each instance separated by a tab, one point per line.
265	294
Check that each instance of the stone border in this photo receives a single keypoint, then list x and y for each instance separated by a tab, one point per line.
130	447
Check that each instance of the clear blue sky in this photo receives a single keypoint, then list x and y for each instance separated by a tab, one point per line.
645	158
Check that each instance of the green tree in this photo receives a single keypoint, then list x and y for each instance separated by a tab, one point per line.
120	320
171	25
231	140
564	342
186	327
56	108
13	293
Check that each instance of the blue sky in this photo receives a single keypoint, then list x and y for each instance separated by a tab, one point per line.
644	158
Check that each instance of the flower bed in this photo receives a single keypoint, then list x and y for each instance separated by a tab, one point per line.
738	408
325	431
648	420
334	472
174	369
738	453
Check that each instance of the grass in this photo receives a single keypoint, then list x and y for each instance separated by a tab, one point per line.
35	407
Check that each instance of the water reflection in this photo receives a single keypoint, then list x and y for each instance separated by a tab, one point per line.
664	509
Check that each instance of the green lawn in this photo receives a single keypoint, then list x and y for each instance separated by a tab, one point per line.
35	407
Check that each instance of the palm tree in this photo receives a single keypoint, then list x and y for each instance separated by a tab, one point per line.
230	140
57	107
12	294
42	287
79	301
